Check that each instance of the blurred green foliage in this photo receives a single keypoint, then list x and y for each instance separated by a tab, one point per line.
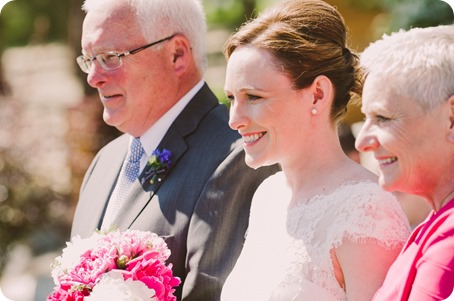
33	21
229	14
422	13
404	14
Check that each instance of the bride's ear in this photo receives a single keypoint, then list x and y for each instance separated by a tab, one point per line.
322	92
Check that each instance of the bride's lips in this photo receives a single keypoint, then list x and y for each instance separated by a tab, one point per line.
252	137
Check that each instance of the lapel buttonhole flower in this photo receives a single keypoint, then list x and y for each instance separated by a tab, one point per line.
157	165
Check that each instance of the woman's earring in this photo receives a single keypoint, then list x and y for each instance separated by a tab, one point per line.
314	111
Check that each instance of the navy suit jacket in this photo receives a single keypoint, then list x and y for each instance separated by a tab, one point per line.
201	205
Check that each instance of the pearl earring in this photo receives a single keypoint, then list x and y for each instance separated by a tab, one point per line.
314	111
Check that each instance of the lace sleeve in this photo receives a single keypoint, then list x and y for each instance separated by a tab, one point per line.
366	213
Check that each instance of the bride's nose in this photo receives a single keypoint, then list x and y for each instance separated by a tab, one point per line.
238	117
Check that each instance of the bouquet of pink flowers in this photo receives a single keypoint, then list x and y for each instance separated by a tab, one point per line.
115	266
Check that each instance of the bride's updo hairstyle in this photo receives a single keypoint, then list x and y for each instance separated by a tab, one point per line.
307	39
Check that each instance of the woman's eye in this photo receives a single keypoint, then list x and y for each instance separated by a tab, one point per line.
246	97
381	118
253	97
230	98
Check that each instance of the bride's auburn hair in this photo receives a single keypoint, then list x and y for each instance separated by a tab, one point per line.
307	38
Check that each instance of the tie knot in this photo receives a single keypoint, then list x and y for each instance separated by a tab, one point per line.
136	150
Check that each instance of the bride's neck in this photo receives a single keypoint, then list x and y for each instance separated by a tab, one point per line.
320	179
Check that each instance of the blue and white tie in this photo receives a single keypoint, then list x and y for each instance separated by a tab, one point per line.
128	175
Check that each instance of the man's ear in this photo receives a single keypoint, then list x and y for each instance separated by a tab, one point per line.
322	92
181	53
450	105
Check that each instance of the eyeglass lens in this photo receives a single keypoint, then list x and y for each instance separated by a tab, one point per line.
108	61
112	60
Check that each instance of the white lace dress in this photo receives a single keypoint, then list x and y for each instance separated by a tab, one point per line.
286	255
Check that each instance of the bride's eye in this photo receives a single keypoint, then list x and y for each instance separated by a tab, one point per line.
229	98
251	97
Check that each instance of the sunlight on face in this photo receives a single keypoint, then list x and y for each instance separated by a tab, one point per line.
264	108
132	94
401	134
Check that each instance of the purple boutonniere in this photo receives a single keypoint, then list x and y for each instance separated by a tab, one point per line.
157	165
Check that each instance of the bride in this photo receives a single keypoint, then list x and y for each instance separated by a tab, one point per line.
321	229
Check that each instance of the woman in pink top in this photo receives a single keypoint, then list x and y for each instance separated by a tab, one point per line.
408	101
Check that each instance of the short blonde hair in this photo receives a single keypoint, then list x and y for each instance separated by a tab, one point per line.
418	63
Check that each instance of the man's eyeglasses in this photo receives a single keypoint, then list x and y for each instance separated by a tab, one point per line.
111	60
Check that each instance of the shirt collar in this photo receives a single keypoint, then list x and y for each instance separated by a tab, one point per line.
153	136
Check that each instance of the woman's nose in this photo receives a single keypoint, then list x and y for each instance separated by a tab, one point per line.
237	119
366	140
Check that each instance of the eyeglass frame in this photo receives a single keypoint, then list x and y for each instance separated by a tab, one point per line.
82	60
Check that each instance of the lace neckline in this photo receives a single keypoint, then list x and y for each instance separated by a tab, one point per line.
320	196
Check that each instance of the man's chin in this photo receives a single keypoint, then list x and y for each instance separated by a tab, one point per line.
110	120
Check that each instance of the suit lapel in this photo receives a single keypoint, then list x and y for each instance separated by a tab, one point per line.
141	195
174	140
100	185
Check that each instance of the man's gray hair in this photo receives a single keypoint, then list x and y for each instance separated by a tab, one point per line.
162	18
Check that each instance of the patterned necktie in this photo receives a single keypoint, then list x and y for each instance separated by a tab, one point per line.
128	174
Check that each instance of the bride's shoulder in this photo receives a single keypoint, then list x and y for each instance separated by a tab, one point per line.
359	183
364	189
363	210
364	194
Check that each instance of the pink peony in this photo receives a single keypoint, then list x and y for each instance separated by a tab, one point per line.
64	293
149	269
137	255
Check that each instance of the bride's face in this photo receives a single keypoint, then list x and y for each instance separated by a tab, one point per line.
265	110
